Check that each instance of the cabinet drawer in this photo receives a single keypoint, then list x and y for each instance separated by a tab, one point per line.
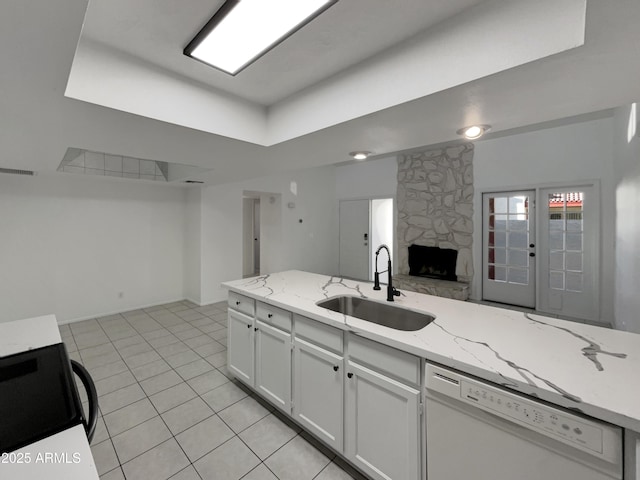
393	362
319	334
242	303
274	316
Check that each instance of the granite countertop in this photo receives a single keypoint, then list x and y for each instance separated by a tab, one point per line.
589	369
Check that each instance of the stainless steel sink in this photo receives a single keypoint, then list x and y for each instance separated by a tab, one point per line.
378	312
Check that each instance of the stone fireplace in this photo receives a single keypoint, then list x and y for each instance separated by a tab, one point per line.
435	209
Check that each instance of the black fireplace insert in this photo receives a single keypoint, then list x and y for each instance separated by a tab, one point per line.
433	262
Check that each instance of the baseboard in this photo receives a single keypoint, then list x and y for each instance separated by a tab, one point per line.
127	309
194	301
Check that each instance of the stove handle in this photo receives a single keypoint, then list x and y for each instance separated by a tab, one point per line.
90	388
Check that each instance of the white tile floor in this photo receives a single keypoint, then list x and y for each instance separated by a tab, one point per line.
168	409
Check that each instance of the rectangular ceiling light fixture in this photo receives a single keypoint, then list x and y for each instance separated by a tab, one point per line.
242	31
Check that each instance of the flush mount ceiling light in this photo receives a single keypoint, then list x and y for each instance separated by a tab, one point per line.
241	31
360	155
473	132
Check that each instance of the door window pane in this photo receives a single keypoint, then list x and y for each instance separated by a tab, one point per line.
574	242
519	275
518	240
501	274
574	261
556	240
518	258
500	204
556	260
500	223
556	280
574	282
575	224
501	256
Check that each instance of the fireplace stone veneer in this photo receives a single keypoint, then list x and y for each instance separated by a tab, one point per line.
435	209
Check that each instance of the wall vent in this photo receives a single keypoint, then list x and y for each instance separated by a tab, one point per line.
13	171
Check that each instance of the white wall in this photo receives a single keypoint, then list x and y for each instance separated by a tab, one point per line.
627	215
373	178
554	156
69	244
309	245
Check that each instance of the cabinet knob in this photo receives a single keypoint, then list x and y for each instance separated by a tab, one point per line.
335	368
270	315
255	329
237	303
349	374
248	326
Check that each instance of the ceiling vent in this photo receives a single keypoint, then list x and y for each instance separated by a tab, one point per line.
13	171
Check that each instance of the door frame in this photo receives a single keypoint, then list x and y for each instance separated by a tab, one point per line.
538	187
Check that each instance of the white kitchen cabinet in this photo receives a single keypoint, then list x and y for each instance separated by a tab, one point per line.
240	346
319	389
382	425
273	365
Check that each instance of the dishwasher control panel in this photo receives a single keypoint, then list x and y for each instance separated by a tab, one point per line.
588	435
535	415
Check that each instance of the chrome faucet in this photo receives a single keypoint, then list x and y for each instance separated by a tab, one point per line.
391	292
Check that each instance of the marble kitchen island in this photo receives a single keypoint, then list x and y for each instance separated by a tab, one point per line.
587	369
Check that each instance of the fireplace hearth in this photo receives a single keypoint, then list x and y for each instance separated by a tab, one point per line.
433	262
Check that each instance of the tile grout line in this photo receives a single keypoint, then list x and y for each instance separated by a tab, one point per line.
145	341
121	465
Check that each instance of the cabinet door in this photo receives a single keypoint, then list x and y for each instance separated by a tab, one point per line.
273	365
318	393
240	352
382	429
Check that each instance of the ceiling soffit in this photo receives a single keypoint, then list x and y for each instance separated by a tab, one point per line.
479	41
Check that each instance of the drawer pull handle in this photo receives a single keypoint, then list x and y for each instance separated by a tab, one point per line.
248	326
237	302
255	329
349	374
270	315
335	368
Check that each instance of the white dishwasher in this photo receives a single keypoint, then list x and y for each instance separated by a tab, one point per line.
476	430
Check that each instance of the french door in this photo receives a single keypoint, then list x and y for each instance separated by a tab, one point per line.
546	260
509	248
569	241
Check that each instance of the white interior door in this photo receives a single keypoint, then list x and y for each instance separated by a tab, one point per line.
569	246
354	239
509	248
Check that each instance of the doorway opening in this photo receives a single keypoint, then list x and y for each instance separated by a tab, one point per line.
261	233
364	225
250	236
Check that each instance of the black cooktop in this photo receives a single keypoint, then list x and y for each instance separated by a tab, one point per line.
38	396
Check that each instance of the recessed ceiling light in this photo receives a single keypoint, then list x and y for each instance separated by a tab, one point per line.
241	31
473	132
360	155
